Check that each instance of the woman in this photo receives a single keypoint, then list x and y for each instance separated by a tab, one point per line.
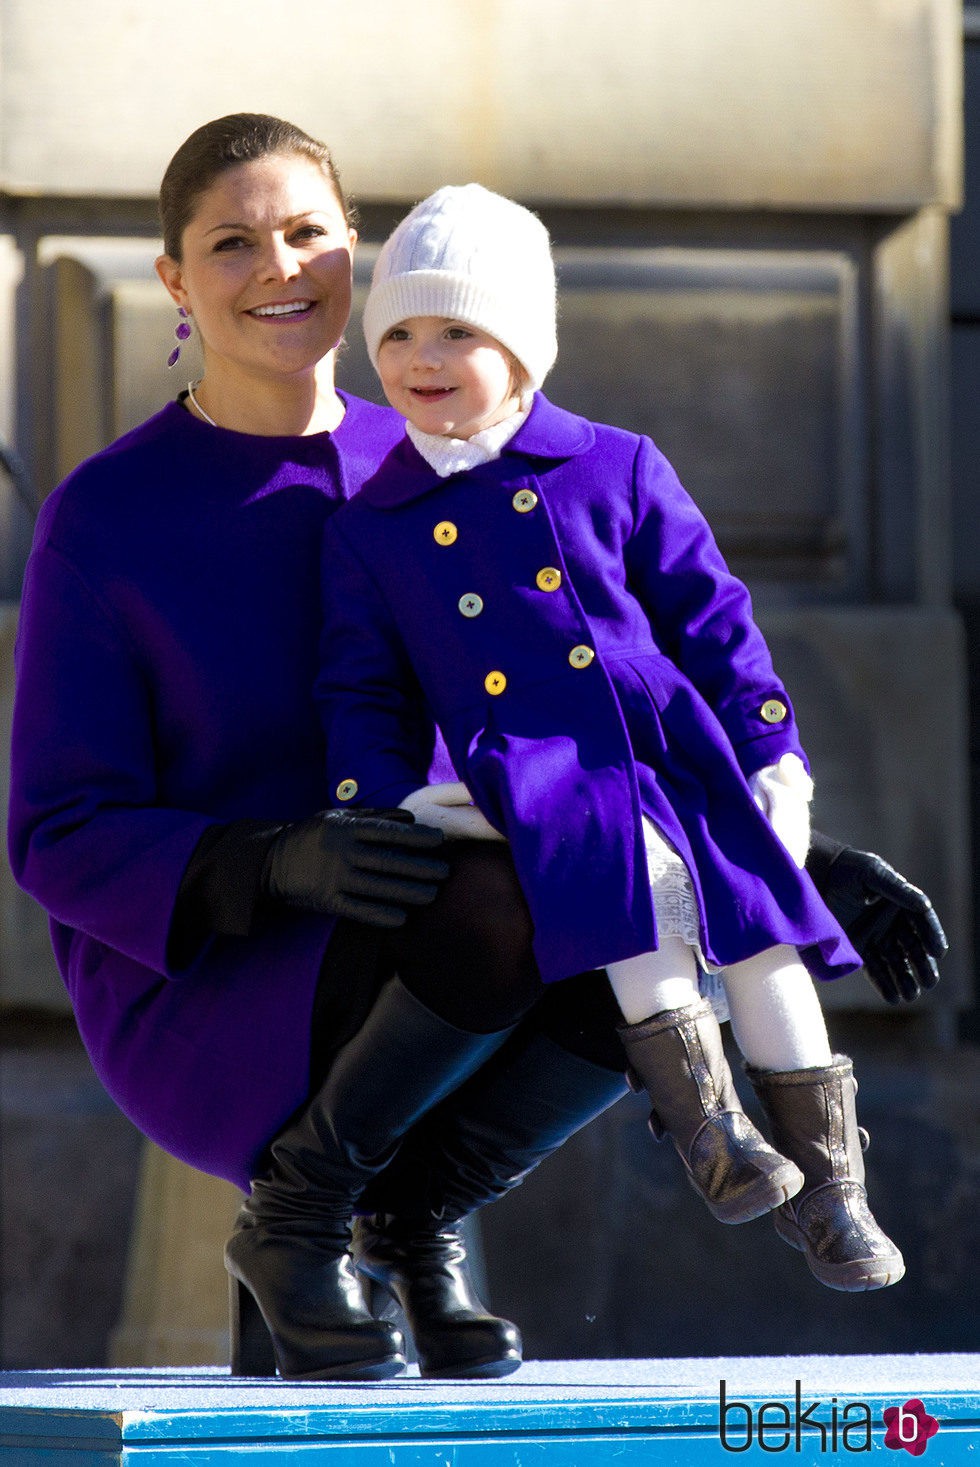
166	765
165	663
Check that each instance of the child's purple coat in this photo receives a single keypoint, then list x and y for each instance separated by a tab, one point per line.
666	719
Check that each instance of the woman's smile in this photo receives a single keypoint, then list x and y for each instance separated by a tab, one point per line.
298	310
266	269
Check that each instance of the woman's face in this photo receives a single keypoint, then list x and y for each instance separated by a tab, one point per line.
266	268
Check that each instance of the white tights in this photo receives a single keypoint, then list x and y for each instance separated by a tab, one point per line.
777	1020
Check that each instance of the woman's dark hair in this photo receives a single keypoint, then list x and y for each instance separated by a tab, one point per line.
242	137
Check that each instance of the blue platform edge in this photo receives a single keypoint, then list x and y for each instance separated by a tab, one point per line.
568	1413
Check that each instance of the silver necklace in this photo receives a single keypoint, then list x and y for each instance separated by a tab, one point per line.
190	394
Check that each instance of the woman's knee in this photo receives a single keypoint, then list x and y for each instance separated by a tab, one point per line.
480	908
470	951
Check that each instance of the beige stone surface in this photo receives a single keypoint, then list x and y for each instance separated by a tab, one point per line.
11	272
28	976
849	104
113	326
175	1301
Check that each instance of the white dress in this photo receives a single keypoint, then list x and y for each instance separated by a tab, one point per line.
676	909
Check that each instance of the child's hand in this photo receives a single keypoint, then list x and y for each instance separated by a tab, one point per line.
783	793
450	809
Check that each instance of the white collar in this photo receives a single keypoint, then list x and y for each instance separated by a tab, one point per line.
457	455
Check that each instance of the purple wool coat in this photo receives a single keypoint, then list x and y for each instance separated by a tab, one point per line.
567	619
165	662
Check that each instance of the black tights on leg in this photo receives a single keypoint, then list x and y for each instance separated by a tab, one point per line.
468	958
468	955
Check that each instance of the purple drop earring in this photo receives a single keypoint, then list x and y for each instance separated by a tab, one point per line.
182	330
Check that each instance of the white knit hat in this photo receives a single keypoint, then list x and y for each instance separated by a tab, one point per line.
470	255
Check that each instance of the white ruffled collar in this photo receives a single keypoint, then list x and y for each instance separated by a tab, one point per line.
457	455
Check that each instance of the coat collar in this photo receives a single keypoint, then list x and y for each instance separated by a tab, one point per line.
549	433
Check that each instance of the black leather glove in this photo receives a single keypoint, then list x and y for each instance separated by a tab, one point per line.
891	923
368	865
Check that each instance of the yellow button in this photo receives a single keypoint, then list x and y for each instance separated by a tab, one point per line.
548	578
347	789
445	532
524	500
494	682
773	711
471	604
581	655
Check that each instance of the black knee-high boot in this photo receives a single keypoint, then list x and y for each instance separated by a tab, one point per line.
522	1106
288	1254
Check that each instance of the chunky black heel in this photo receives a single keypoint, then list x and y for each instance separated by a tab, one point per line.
251	1345
312	1313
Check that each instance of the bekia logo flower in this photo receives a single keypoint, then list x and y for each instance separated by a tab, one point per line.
909	1426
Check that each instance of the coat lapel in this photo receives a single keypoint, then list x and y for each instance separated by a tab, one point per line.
549	432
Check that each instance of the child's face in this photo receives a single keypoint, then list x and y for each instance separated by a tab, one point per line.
447	378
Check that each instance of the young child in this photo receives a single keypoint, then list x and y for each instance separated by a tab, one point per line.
542	588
